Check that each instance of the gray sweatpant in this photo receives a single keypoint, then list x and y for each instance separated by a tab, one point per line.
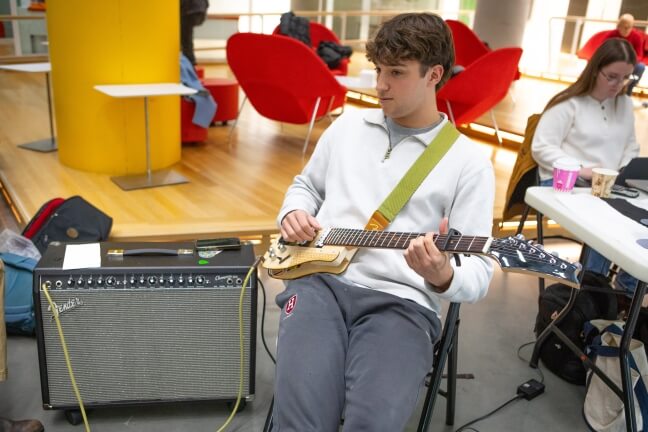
343	349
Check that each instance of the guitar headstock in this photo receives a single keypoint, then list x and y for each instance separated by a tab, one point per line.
515	254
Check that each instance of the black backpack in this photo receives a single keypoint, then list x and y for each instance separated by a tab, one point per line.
589	305
333	53
295	27
74	220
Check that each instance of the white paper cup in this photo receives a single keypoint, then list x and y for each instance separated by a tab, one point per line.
602	181
565	173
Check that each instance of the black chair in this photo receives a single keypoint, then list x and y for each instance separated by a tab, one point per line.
445	350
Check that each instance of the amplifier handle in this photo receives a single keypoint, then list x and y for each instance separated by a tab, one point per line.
150	251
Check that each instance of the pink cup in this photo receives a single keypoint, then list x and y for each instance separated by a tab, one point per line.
565	173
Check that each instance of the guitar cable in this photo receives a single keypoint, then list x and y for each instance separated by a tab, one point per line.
68	362
241	345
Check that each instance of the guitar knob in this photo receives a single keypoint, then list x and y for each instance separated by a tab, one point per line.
272	254
519	236
281	247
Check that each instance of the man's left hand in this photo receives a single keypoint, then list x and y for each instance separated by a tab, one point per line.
429	262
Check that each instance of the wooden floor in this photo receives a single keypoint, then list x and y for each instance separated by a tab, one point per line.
233	189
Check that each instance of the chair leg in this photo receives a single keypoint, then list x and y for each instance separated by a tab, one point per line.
328	110
447	341
451	388
523	219
450	114
267	427
229	136
310	127
541	281
497	132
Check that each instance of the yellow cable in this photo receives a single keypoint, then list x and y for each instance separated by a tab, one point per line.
241	342
67	356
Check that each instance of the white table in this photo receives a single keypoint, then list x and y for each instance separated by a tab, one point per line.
151	178
49	144
617	238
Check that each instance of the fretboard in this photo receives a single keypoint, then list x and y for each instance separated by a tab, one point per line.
401	240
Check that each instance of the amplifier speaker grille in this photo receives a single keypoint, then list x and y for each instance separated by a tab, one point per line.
167	344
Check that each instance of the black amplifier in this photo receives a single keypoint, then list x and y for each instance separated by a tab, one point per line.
146	328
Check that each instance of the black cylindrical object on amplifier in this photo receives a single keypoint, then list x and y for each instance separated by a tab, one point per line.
146	329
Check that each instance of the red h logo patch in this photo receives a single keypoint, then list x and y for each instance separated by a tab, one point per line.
290	305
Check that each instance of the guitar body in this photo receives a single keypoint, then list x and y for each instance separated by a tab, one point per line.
295	261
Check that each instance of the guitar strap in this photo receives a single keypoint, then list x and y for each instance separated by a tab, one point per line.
413	178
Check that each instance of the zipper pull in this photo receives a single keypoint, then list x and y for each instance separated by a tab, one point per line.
387	154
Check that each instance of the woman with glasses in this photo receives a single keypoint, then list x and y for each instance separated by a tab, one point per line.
592	121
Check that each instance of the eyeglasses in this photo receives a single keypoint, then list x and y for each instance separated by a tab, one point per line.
618	80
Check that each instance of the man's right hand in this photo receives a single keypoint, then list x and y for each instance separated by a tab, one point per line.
298	226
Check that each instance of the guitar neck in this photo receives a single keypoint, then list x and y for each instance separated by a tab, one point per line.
401	240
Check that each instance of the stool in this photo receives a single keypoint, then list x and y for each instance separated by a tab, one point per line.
225	93
190	132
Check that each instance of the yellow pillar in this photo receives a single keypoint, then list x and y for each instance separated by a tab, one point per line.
114	42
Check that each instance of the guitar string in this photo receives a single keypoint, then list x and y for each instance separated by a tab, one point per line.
354	234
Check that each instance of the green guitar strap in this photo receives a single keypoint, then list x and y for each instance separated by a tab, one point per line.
413	178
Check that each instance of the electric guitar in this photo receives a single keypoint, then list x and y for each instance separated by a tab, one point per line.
332	250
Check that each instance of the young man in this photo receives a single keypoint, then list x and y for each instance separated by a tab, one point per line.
625	30
361	343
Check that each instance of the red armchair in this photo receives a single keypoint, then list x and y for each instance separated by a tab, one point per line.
592	44
468	46
481	86
319	33
283	79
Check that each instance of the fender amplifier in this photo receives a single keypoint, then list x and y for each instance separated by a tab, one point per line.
146	327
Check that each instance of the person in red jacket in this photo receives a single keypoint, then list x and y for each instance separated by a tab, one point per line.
626	31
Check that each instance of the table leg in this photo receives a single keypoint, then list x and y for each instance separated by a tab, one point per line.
152	178
148	139
49	144
626	377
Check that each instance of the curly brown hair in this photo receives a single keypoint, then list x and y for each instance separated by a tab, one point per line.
423	37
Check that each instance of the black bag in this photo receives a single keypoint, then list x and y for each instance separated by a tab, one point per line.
75	221
333	53
589	305
295	27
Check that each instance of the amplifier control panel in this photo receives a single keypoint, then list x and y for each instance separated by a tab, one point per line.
137	280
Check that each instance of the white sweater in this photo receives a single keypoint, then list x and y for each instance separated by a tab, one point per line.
597	134
346	180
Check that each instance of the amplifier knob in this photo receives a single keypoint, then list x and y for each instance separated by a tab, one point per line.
200	280
90	281
171	280
99	280
190	280
70	282
110	280
180	280
142	280
132	280
80	282
161	280
152	280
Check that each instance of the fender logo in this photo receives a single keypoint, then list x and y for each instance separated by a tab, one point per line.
67	306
